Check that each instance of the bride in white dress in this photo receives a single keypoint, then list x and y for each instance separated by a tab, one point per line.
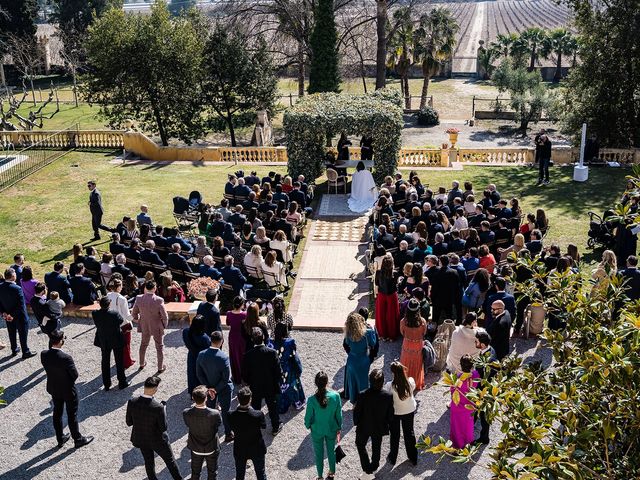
363	190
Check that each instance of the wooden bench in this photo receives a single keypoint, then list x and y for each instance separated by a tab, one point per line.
176	310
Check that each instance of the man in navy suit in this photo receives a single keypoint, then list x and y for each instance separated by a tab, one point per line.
456	244
506	298
214	370
241	190
174	238
18	263
84	292
133	250
298	196
177	261
207	269
503	210
56	281
232	275
116	247
210	312
149	255
95	207
632	276
14	311
280	195
486	235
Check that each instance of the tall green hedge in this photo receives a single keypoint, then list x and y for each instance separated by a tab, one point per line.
308	122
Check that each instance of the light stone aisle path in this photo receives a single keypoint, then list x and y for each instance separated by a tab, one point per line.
331	280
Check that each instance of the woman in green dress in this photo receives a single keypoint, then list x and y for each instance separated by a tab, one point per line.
324	418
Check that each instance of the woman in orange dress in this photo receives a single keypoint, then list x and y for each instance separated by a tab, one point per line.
413	328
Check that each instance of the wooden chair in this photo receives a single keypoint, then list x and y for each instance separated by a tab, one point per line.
335	180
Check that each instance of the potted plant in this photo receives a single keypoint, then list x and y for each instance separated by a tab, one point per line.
453	136
198	287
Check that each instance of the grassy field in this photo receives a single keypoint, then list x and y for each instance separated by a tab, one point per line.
44	215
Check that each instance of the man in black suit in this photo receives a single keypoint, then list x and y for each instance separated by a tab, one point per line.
298	196
232	275
176	260
478	218
14	311
57	281
282	224
372	416
280	195
503	232
210	312
237	218
631	275
133	250
95	207
110	339
148	418
446	291
262	372
384	238
241	190
121	267
500	329
487	355
116	246
84	292
202	423
61	385
248	444
91	264
149	255
456	244
535	246
485	234
250	202
267	205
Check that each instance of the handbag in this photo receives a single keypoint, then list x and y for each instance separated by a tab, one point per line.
339	451
127	327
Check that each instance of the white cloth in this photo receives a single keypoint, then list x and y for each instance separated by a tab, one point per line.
463	342
406	406
363	192
119	305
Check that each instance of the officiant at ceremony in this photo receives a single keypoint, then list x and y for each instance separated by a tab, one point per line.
363	190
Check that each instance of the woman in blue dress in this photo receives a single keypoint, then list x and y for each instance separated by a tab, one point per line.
291	392
358	341
195	340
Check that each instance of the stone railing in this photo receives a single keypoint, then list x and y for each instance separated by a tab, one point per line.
623	156
63	139
423	157
253	154
496	155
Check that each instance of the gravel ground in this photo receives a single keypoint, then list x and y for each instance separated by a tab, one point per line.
28	442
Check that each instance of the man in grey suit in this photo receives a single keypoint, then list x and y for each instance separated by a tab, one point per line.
214	370
203	424
152	318
95	207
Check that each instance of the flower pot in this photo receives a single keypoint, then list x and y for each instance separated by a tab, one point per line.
453	138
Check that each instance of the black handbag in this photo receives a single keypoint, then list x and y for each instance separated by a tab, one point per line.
339	453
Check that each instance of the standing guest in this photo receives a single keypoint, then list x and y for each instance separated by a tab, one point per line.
372	417
248	444
120	305
47	312
474	295
109	339
461	425
61	385
279	315
500	329
358	341
343	147
237	346
487	355
291	391
261	371
387	306
509	301
58	281
324	418
210	312
195	338
95	207
413	328
253	320
148	418
213	370
143	217
631	275
13	310
83	289
203	423
18	265
404	410
463	342
152	318
543	152
28	284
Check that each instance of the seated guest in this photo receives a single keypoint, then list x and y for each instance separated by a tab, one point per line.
487	260
444	221
442	207
485	234
455	192
253	220
421	250
159	238
440	247
131	231
518	244
170	290
201	248
403	255
175	237
282	245
27	283
403	235
253	262
471	261
241	190
250	202
252	179
121	228
116	247
287	185
473	239
631	275
237	218
133	250
246	234
267	205
224	209
286	227
176	261
120	266
541	220
219	251
229	187
279	195
269	178
149	255
207	269
470	205
551	255
460	222
145	232
275	269
495	194
400	196
232	275
503	232
478	218
421	231
57	281
528	227
401	219
143	217
294	217
216	227
300	197
228	236
504	211
270	221
426	212
92	264
238	252
105	268
535	245
260	238
384	238
456	244
84	292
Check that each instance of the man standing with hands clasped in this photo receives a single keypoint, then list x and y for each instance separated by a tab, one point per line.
95	207
202	423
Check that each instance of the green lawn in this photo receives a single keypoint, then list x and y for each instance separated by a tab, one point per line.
45	214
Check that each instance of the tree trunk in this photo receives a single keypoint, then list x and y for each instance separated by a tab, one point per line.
300	69
75	86
558	75
425	90
160	124
407	91
381	49
232	132
33	91
3	80
532	63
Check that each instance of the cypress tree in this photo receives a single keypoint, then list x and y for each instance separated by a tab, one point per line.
324	75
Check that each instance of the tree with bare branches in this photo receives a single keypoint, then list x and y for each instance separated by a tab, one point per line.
26	54
35	118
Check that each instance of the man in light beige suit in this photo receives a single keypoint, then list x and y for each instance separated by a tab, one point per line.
151	315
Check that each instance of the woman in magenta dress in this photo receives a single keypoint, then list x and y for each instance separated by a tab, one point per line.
235	321
461	430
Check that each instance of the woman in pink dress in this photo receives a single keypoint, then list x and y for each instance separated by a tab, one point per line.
235	321
461	430
413	328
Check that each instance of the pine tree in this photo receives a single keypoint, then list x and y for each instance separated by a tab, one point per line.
18	18
324	75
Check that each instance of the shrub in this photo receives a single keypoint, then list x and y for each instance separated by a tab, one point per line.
427	117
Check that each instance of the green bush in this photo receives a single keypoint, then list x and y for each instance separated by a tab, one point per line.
428	117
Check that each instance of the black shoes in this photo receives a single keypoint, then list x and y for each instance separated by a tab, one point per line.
277	430
97	237
65	438
28	355
82	441
481	441
124	385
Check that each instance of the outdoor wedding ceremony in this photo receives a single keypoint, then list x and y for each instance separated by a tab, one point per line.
298	239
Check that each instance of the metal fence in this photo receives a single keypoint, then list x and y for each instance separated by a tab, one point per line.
16	165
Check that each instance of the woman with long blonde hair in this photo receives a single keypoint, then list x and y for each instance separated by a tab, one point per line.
358	340
605	270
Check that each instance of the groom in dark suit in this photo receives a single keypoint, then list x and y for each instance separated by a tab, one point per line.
95	207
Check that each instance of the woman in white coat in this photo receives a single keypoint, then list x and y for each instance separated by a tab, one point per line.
463	342
363	190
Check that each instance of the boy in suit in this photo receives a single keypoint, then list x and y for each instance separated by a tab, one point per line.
202	423
109	338
148	418
249	444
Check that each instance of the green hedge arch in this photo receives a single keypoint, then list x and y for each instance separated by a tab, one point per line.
309	121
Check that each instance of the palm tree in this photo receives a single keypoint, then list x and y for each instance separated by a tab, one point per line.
486	57
561	42
435	40
401	49
503	43
533	38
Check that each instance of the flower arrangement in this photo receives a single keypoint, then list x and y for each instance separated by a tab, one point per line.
198	287
452	131
445	146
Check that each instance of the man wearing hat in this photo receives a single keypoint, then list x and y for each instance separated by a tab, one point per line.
95	207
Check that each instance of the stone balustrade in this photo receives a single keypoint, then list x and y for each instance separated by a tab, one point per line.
62	139
423	157
253	154
496	155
